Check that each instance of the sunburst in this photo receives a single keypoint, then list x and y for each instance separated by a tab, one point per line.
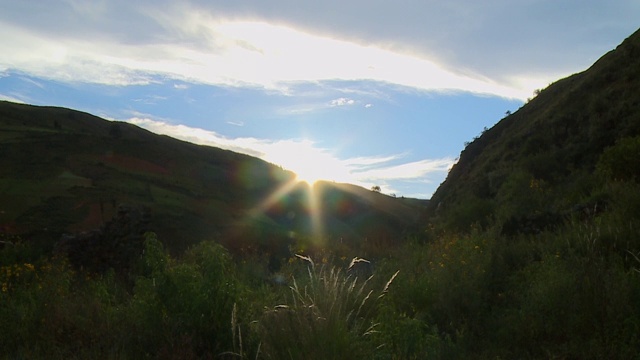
312	203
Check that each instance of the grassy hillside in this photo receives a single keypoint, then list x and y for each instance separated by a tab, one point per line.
65	171
554	141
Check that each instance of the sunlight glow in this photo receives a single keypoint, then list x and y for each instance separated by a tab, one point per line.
315	212
235	53
313	205
309	162
258	52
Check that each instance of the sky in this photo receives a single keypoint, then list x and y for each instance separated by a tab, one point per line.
374	93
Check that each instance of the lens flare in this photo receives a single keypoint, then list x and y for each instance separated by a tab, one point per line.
312	204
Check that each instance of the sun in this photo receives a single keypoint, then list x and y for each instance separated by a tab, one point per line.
319	166
311	164
309	175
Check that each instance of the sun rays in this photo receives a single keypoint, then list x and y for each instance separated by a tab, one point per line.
310	162
312	205
315	210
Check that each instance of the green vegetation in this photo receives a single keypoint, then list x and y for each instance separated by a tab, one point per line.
570	291
67	171
529	250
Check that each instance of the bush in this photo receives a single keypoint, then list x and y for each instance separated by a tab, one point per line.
187	305
622	161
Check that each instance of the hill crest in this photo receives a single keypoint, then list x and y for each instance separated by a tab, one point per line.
68	171
556	138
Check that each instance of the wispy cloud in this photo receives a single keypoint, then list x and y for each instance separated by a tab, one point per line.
18	99
303	156
150	99
300	109
314	106
32	82
410	170
248	146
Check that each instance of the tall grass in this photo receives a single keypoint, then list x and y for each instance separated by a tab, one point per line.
328	315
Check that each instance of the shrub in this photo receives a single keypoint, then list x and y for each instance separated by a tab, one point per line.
184	305
621	161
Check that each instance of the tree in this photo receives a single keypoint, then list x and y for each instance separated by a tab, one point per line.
376	188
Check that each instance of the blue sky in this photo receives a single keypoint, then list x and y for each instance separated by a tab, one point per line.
367	92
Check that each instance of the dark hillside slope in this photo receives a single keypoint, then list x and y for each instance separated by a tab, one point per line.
552	143
64	171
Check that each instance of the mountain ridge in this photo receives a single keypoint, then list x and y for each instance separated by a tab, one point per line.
557	137
68	171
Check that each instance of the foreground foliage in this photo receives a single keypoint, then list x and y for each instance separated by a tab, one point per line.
568	292
517	284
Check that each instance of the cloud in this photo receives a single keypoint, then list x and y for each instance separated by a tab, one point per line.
491	47
150	99
32	82
200	43
304	157
341	102
15	99
314	106
300	109
364	163
248	146
411	170
494	38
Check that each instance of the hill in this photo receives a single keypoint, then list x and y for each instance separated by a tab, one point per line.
551	145
65	171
